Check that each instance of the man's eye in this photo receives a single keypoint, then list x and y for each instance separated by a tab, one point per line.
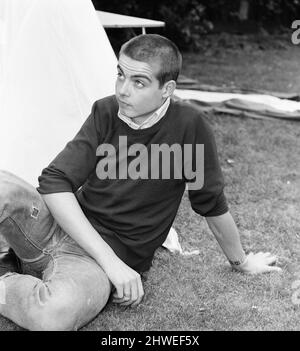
139	84
119	75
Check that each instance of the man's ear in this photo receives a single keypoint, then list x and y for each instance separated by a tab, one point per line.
168	88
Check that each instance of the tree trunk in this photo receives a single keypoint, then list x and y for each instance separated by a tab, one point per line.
244	10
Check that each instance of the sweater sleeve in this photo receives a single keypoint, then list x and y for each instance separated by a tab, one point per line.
72	166
210	199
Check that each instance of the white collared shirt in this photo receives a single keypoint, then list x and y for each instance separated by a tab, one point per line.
150	121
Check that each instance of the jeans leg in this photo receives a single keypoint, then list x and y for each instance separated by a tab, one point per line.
72	291
63	288
25	221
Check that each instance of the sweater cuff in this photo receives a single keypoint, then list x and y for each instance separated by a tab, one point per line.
52	181
220	207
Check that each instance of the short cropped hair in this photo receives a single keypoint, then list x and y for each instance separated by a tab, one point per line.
151	47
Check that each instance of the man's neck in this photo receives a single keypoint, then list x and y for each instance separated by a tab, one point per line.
140	119
147	120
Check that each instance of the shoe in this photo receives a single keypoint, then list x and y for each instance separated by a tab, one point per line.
9	262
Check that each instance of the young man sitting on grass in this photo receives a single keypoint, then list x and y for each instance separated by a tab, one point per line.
108	200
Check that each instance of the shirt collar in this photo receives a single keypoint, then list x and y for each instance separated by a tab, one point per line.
150	121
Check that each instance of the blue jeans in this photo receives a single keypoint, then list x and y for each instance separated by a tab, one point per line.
61	287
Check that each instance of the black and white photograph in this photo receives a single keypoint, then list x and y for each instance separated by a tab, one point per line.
149	168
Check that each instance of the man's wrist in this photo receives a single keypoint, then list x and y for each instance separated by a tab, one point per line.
238	263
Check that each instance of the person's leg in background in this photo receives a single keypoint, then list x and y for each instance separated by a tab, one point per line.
62	288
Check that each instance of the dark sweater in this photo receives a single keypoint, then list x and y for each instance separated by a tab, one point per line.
134	216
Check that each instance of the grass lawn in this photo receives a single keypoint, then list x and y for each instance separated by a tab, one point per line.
201	292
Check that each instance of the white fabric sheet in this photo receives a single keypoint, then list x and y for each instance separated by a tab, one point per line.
55	61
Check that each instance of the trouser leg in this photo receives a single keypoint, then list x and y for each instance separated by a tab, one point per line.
25	221
65	288
74	289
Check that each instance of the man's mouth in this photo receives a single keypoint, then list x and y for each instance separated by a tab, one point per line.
123	103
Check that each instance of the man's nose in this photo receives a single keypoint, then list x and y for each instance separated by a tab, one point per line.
124	88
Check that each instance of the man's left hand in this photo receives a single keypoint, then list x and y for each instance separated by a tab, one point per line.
260	262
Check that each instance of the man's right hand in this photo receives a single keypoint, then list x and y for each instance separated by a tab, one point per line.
128	283
69	215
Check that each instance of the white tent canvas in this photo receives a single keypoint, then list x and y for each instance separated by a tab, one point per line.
55	61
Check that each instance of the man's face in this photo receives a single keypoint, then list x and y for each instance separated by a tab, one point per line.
137	88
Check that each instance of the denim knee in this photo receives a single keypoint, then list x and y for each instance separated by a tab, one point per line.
51	311
21	202
11	189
